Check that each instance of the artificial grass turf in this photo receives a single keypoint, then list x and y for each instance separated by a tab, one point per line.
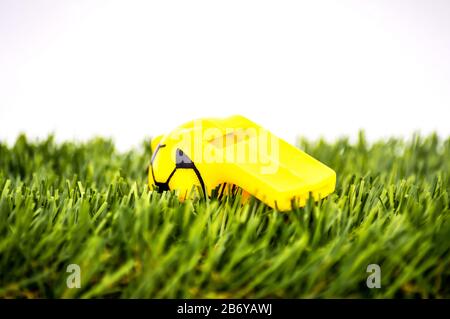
87	204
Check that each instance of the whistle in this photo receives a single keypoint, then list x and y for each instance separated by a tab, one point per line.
208	156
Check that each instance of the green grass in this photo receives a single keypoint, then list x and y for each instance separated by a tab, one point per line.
88	204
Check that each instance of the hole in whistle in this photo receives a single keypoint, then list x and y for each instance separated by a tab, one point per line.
233	137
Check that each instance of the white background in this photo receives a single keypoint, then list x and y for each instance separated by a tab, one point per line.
131	69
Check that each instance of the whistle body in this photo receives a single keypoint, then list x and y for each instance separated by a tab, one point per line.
208	154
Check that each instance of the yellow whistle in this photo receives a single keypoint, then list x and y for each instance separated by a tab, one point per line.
208	154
